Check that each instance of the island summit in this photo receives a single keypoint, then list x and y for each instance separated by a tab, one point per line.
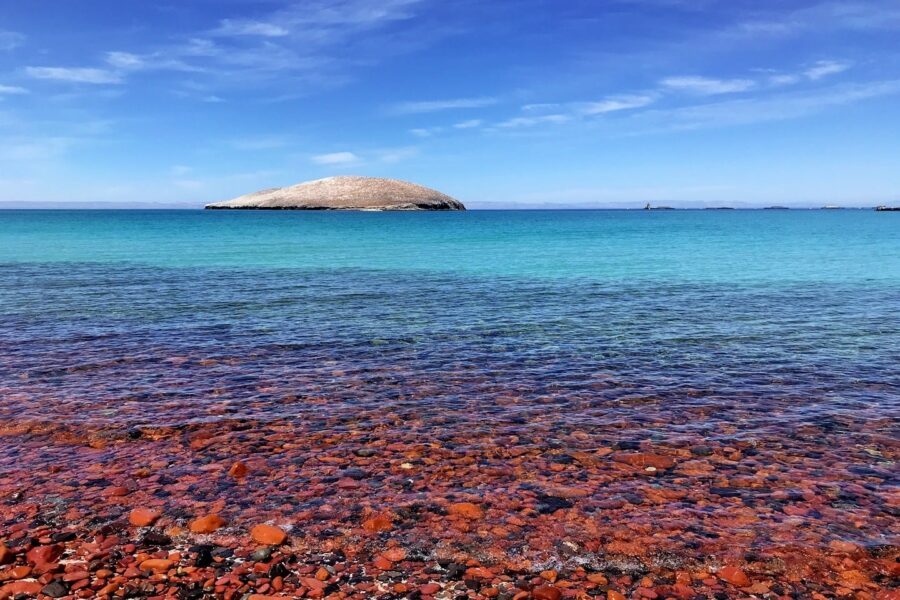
345	193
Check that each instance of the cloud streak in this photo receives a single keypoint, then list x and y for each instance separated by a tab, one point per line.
519	122
89	75
707	86
335	159
617	103
748	111
824	68
230	27
429	106
12	90
10	40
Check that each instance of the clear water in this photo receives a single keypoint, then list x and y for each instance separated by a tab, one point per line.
775	332
729	247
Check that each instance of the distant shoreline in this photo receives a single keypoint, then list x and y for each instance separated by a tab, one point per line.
60	207
542	209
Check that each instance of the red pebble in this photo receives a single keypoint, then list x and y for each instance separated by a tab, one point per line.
430	588
546	592
6	555
143	517
734	576
207	524
44	556
268	534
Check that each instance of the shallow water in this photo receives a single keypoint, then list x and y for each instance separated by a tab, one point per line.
501	358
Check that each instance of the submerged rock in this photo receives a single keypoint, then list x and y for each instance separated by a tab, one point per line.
345	193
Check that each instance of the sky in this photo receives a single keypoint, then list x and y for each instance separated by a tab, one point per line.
506	103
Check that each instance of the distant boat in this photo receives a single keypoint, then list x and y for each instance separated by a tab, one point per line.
648	207
776	208
887	208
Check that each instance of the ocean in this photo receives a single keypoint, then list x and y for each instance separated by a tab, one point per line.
630	393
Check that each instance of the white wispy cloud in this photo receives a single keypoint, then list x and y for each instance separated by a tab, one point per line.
34	148
74	74
12	90
819	70
824	68
129	62
395	155
125	60
296	45
707	86
427	106
249	27
542	107
470	124
784	79
424	132
617	103
336	158
775	107
10	40
516	122
823	16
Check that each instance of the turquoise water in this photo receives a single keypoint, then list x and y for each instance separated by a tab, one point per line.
722	246
758	350
734	300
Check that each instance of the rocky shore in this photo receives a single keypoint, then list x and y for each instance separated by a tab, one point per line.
258	510
345	193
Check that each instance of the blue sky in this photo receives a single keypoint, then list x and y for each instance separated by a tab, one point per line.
518	102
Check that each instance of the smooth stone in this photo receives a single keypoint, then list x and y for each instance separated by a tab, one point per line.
55	589
262	554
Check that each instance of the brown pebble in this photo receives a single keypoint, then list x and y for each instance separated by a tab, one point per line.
394	554
734	576
546	592
467	510
268	534
11	590
6	555
43	556
156	564
378	523
207	524
143	517
238	470
430	588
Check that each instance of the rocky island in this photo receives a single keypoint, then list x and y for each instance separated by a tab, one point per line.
345	193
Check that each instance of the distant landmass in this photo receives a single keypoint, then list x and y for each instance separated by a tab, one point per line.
345	193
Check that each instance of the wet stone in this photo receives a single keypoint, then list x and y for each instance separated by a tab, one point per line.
155	538
547	504
701	450
55	589
204	556
627	445
354	473
262	554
